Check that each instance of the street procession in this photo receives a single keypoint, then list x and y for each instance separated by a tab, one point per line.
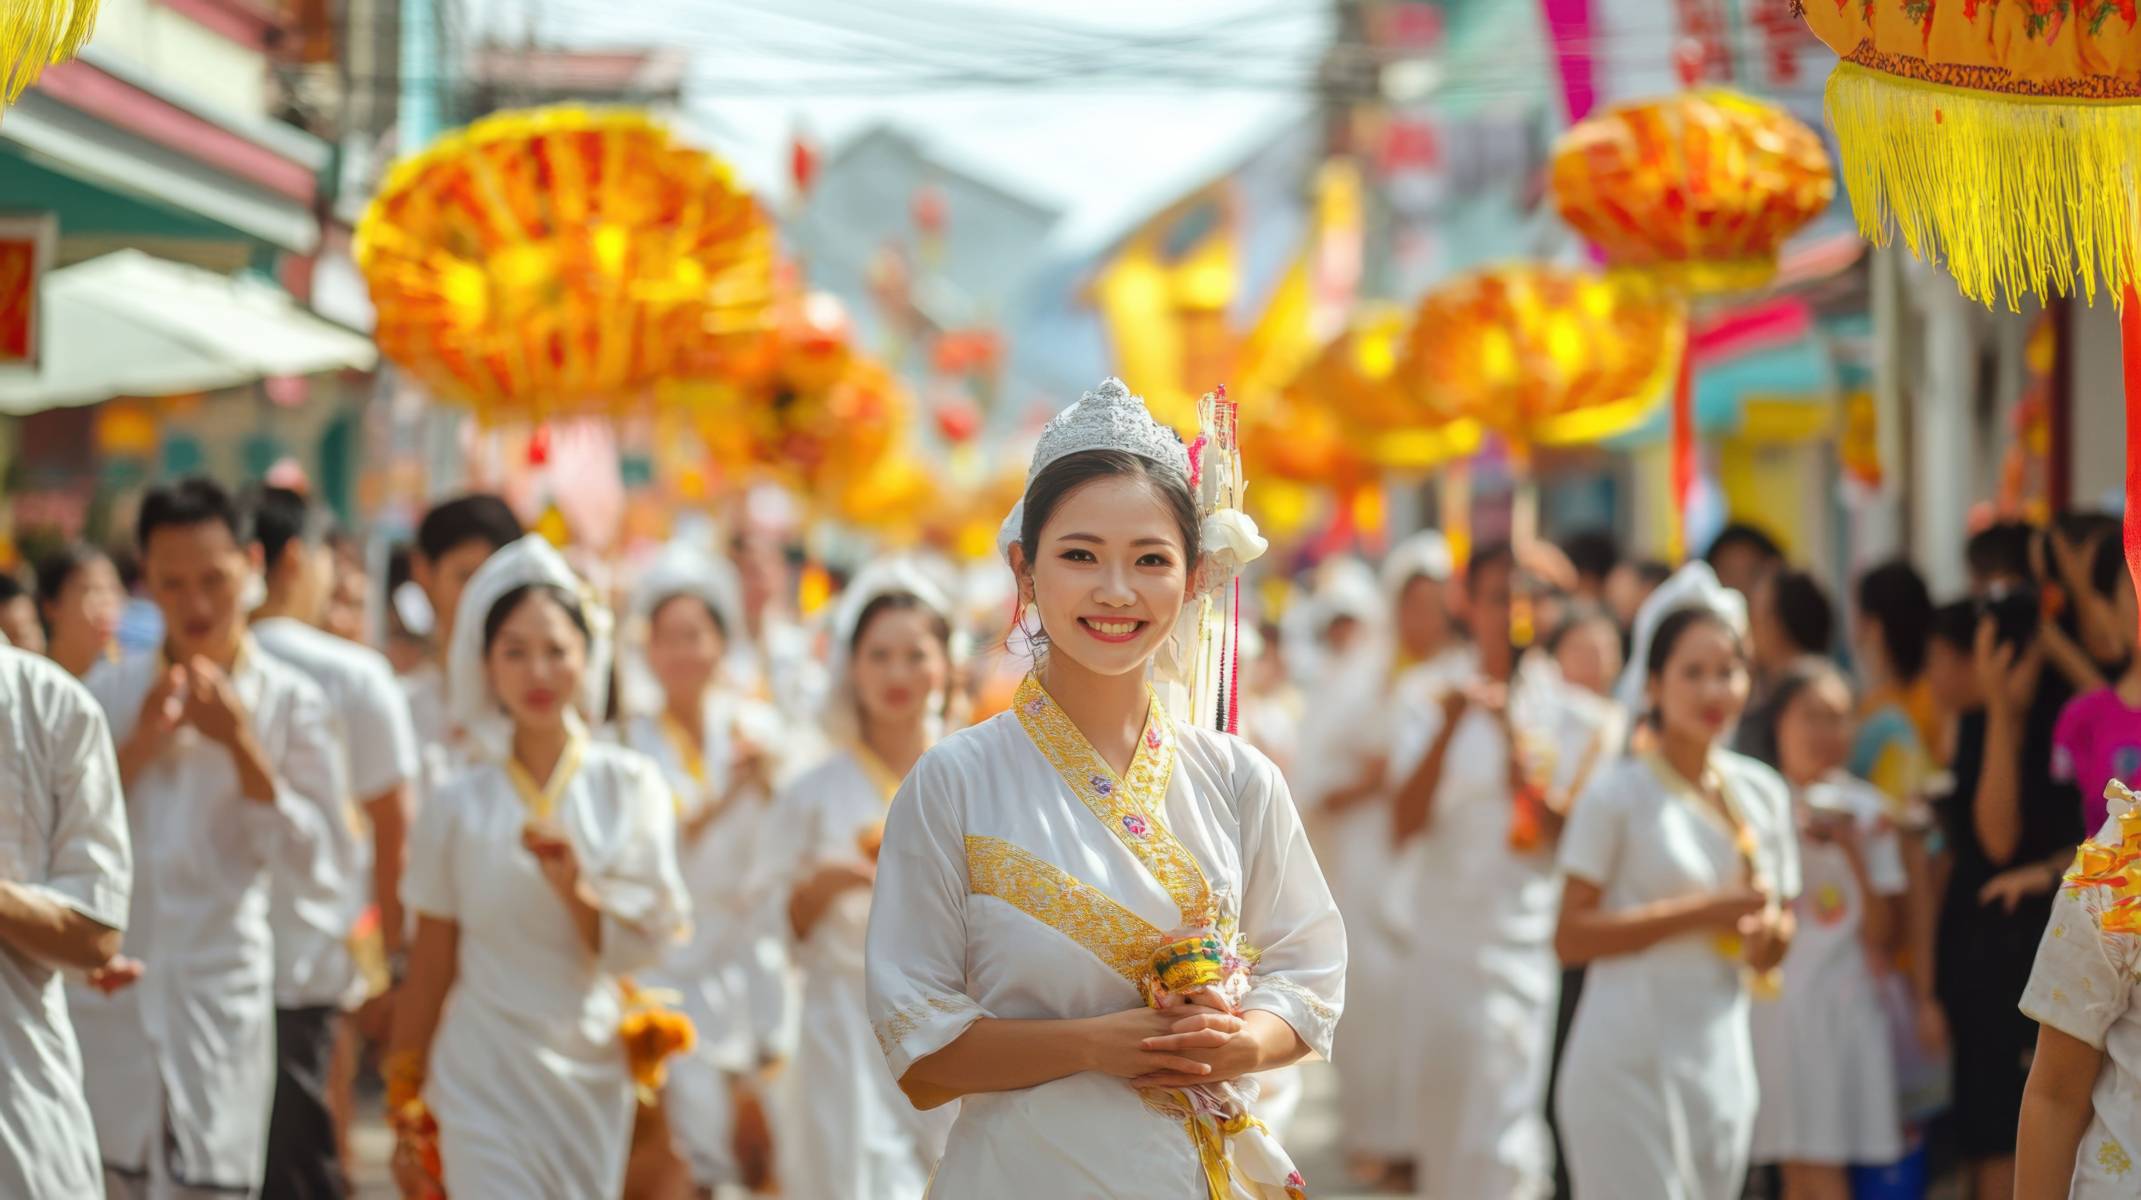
966	599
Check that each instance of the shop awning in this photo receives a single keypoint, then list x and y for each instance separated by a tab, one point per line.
130	324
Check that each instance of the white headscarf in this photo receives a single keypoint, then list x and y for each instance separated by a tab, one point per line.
1692	586
884	577
470	704
1424	554
679	569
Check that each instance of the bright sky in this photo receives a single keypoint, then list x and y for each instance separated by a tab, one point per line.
1140	99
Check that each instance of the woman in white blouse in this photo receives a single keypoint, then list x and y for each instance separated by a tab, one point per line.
1678	866
847	1132
2081	1111
539	875
717	750
1034	865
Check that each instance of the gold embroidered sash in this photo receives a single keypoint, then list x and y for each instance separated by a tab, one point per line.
1129	805
1063	902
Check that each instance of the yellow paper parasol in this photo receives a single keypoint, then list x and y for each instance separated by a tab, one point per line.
561	260
1699	192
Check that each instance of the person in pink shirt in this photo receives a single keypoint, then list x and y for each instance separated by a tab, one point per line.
2098	738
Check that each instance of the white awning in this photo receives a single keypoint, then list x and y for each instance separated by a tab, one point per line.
129	324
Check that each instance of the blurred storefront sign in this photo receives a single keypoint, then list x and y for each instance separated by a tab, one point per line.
25	253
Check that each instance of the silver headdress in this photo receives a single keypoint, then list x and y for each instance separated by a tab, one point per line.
1109	417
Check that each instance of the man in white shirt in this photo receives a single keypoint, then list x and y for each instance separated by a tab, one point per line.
453	539
65	868
314	911
230	771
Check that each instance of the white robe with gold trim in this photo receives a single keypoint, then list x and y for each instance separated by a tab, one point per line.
527	1076
1020	879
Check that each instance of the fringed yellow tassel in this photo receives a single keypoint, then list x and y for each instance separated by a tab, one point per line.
35	34
2016	195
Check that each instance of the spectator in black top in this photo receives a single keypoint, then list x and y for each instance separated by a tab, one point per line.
2009	828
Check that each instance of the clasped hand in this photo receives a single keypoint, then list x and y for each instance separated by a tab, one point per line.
1193	1040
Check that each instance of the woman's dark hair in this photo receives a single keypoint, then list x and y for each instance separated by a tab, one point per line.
720	625
1803	611
1955	626
2002	549
1046	492
1895	595
1795	679
890	602
509	603
1485	558
2107	567
1675	626
1578	616
56	570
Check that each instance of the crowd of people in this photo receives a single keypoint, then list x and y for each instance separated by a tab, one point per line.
1642	882
1795	867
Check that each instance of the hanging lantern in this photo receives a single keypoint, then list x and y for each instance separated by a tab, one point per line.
1999	139
1545	355
1356	377
40	34
559	260
1700	188
796	404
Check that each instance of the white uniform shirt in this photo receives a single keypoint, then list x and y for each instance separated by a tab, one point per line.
2083	986
63	834
316	901
189	1051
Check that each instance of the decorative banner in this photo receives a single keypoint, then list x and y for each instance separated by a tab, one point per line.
1701	188
1545	355
560	260
25	254
40	34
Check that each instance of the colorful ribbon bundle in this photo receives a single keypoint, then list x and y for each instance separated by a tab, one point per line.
2116	868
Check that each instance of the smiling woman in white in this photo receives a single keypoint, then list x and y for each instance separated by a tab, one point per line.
539	876
65	869
846	1131
1678	867
1034	866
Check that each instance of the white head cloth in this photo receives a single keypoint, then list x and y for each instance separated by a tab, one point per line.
529	561
686	570
679	569
1424	554
1692	586
884	577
